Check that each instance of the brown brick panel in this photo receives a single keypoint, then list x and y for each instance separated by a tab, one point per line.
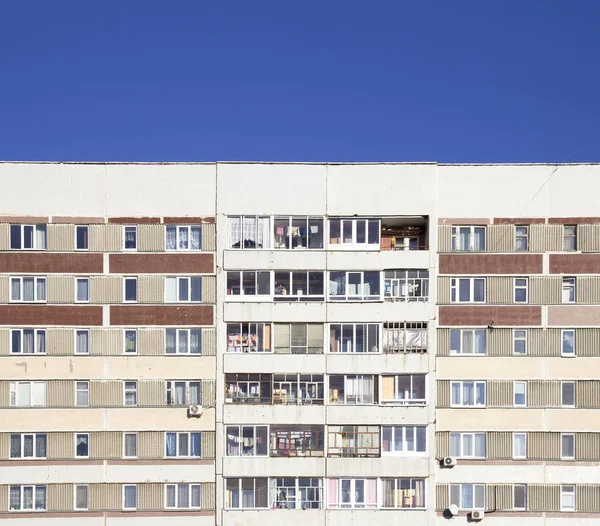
574	220
23	219
134	220
573	315
187	220
519	221
574	263
464	221
483	315
491	264
50	315
77	220
23	262
161	263
161	315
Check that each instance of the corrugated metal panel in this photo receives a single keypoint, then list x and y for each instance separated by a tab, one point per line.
150	497
4	446
544	342
209	342
588	498
499	342
543	497
588	289
443	290
442	498
501	238
151	238
106	393
209	289
4	289
106	444
443	393
543	393
105	497
61	237
545	238
5	342
504	496
151	393
587	393
61	446
4	393
106	238
543	446
442	442
151	444
587	446
588	342
106	289
545	290
588	238
208	393
209	501
490	497
60	393
60	497
60	342
208	444
3	497
499	393
151	289
209	237
61	289
499	290
443	342
4	236
444	238
106	342
499	445
151	341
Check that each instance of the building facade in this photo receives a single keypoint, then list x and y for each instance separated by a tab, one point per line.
252	343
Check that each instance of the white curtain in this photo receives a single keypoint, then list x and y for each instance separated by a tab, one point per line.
195	337
28	342
171	238
28	289
235	232
15	289
41	289
40	237
41	342
184	238
196	237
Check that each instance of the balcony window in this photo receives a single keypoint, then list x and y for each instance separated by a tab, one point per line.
291	493
28	237
468	238
298	338
27	394
406	285
246	388
352	493
403	493
28	290
468	341
570	237
357	234
183	341
568	290
404	389
130	237
353	389
291	232
354	286
404	337
468	496
183	237
354	338
568	342
303	389
297	441
28	445
183	496
183	289
299	286
247	441
467	394
404	440
28	341
183	392
353	441
467	445
248	337
249	283
23	498
246	493
183	445
249	232
467	290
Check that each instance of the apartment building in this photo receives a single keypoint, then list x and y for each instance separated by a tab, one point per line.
340	344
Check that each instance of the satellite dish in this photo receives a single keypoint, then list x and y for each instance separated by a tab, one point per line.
453	509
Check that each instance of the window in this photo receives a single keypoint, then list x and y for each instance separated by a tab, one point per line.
468	238
467	290
28	445
403	493
353	389
298	338
520	394
299	285
183	289
352	493
183	496
245	388
567	498
82	290
130	237
353	441
182	444
468	496
28	341
82	393
183	341
81	497
305	389
298	232
520	342
130	341
520	497
297	441
519	445
27	498
521	238
130	496
248	337
406	285
131	289
354	233
291	493
130	445
27	394
184	237
468	341
568	290
28	237
569	237
354	338
247	441
405	389
81	238
568	342
467	445
82	341
249	283
246	493
82	445
403	440
406	337
183	393
28	289
130	392
520	290
354	286
467	394
567	390
249	232
567	446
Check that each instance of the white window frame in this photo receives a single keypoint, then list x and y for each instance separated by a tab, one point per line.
353	504
520	286
475	383
455	290
75	332
461	351
244	345
129	227
525	232
130	508
456	246
178	332
77	390
305	294
346	297
33	500
130	390
125	280
400	287
562	344
403	401
521	338
172	390
567	457
568	490
569	284
36	336
405	452
14	393
461	503
514	449
524	384
178	229
125	434
462	436
178	453
239	491
570	236
519	508
135	348
267	231
255	436
34	438
368	326
354	244
87	498
75	436
191	487
36	281
36	228
349	389
249	297
77	280
189	289
87	229
562	404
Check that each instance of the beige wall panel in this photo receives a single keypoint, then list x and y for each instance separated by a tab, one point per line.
209	342
106	393
209	501
587	393
499	290
443	393
545	290
4	289
588	289
587	342
4	236
106	289
209	237
208	393
60	342
151	342
491	367
61	289
151	238
151	289
443	342
501	238
442	443
4	446
442	497
151	444
570	420
105	497
150	497
5	342
4	393
588	498
106	444
209	289
106	342
588	238
443	290
543	393
60	393
3	497
61	446
499	445
60	497
545	238
499	393
587	446
543	446
499	342
208	444
61	237
491	419
444	238
106	238
151	393
543	497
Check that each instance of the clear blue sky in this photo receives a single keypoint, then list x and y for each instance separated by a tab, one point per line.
446	81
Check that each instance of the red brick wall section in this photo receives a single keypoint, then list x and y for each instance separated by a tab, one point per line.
491	264
574	220
483	315
386	242
134	220
17	315
161	263
23	262
519	221
574	263
161	315
187	220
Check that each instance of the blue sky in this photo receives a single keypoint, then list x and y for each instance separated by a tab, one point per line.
445	81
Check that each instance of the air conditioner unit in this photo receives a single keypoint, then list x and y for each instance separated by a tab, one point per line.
195	411
453	509
448	462
477	515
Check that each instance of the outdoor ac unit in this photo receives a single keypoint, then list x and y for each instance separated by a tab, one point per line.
453	509
448	462
477	515
195	411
